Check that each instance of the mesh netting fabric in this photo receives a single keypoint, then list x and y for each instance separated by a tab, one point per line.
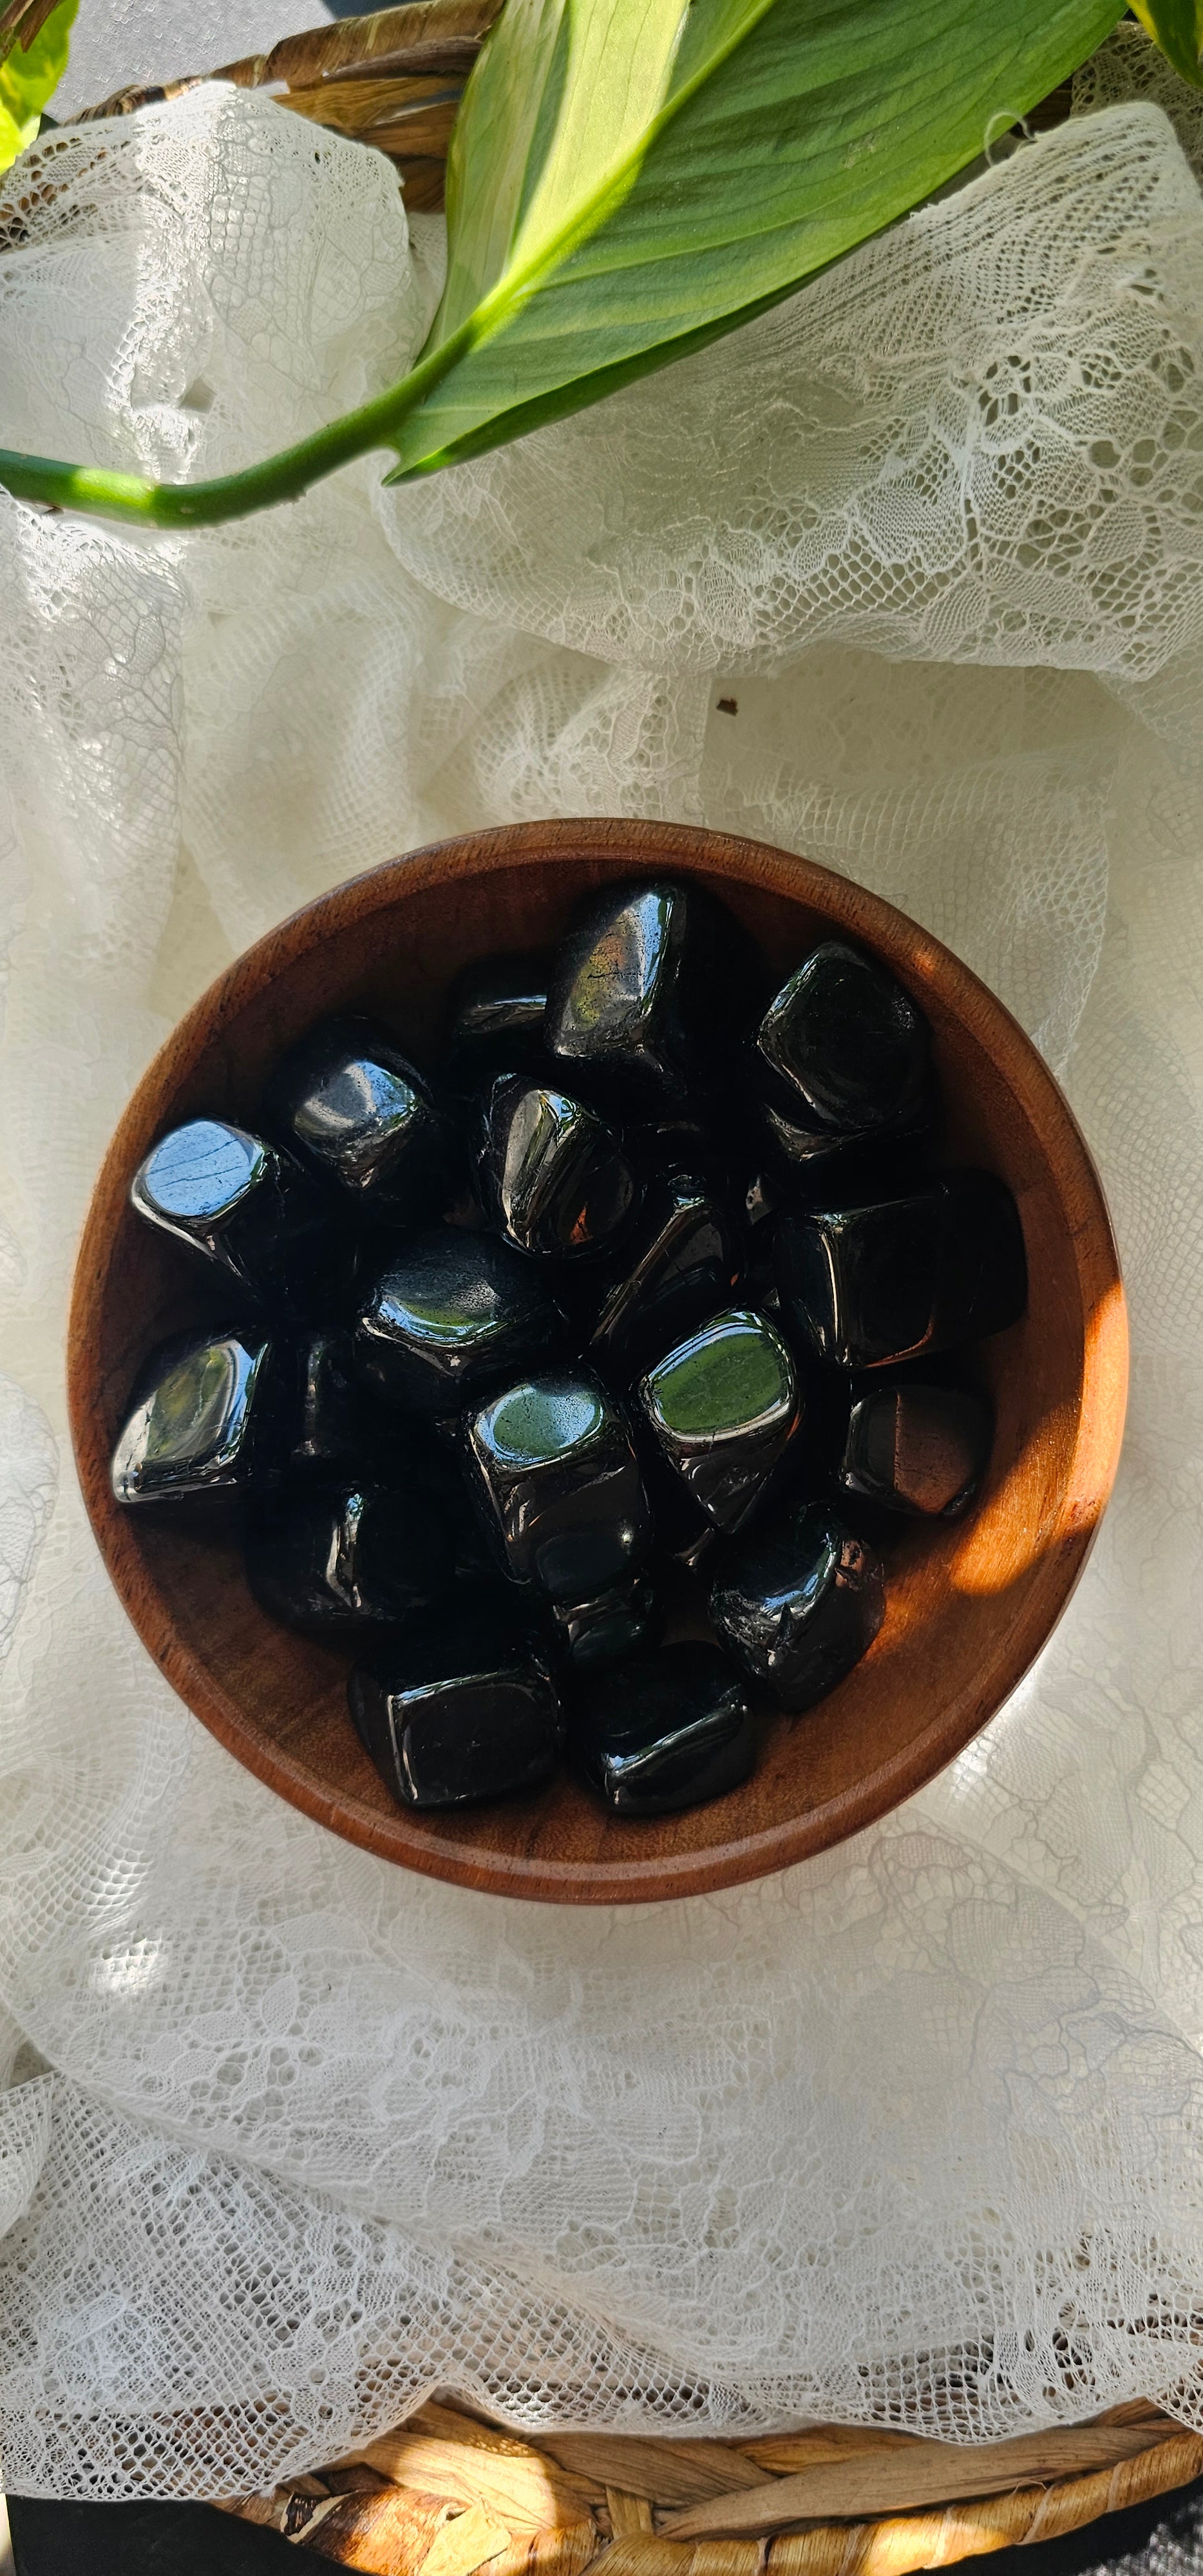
289	2137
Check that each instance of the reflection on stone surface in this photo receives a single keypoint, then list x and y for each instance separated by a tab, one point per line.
723	1405
353	1557
559	1487
918	1449
202	1420
843	1053
452	1315
362	1115
665	1731
798	1602
245	1206
553	1175
459	1707
899	1276
649	989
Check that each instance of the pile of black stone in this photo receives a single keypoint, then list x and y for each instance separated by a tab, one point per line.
643	1304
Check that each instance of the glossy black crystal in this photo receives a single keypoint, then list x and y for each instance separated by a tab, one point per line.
668	1730
362	1115
458	1708
453	1314
351	1558
900	1276
799	1601
723	1405
495	1017
609	1626
554	1177
923	1450
330	1427
205	1419
558	1483
681	1262
649	990
845	1052
244	1205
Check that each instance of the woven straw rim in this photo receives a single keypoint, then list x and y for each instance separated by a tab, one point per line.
393	80
446	2494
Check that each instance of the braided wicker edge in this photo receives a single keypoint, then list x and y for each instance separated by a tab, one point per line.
393	80
446	2495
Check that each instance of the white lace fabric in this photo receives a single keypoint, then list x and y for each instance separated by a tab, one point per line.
913	2133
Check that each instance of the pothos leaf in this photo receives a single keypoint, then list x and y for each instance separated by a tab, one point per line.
1177	26
29	77
630	178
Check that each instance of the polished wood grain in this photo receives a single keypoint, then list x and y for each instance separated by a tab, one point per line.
969	1604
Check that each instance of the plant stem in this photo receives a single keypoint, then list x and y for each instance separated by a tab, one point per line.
129	497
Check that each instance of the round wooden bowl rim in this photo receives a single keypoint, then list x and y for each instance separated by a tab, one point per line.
1098	1435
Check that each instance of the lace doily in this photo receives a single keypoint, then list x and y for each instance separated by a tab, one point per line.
915	2132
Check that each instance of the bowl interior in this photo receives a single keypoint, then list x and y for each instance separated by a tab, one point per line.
968	1604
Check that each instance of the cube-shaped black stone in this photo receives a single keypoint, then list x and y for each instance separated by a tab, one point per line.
845	1051
459	1707
896	1277
558	1484
453	1314
798	1601
331	1427
205	1419
679	1265
609	1626
923	1450
664	1731
650	988
554	1177
723	1405
495	1018
244	1205
348	1559
364	1118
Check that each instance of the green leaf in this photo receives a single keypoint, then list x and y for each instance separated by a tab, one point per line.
1177	26
630	178
28	79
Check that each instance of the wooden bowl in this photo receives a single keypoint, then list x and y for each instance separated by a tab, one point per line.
969	1604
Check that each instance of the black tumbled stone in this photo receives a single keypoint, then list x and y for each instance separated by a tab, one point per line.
347	1559
331	1426
459	1707
680	1264
244	1205
918	1449
553	1175
723	1405
664	1731
900	1276
845	1051
649	988
799	1601
453	1314
205	1419
609	1626
362	1115
495	1017
558	1484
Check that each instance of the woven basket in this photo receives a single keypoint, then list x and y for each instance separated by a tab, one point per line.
394	80
447	2494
